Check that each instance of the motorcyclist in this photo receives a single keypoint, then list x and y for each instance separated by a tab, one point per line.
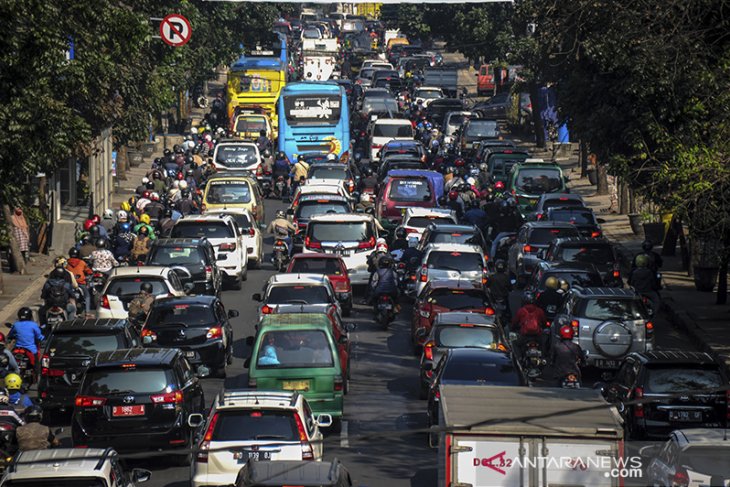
86	247
300	169
102	258
384	280
474	215
507	219
655	260
166	223
401	240
19	399
8	364
551	298
263	142
529	321
155	208
159	185
141	245
566	356
122	242
33	435
282	166
369	180
455	205
282	229
643	280
57	291
140	306
142	187
499	284
412	256
78	267
145	221
381	251
186	205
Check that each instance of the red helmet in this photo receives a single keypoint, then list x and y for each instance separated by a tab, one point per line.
88	224
96	219
453	195
499	185
566	332
146	195
180	176
2	337
459	162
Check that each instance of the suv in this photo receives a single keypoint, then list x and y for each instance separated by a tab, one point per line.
437	233
192	258
664	376
248	425
551	200
289	290
384	130
608	322
71	467
138	399
583	219
224	235
253	241
198	325
287	472
531	238
472	133
417	219
69	350
235	155
580	250
533	178
457	262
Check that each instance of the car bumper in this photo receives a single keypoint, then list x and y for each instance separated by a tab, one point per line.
211	354
660	430
204	287
326	404
56	397
126	441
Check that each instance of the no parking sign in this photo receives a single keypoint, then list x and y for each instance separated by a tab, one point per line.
175	30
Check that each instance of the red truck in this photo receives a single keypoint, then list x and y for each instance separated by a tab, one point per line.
486	79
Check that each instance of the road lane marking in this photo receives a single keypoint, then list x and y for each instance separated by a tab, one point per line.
344	440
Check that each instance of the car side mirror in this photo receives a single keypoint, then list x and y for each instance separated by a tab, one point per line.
324	420
541	254
249	341
140	475
196	420
202	371
233	313
256	297
188	287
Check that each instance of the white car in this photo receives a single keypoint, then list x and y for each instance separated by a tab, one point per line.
383	130
320	186
427	94
123	285
452	123
416	219
252	236
351	236
234	155
255	425
282	290
376	64
458	262
225	236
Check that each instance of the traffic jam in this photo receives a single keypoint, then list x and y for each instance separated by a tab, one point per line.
342	204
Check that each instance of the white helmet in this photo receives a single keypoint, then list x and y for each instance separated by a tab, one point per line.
175	184
331	157
4	397
145	180
366	198
122	216
183	184
220	131
108	214
412	241
471	181
194	131
189	145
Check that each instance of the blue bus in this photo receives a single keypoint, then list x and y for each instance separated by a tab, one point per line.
314	118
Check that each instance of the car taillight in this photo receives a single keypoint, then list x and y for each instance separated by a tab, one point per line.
638	408
489	311
377	146
167	398
616	273
595	234
214	332
228	246
338	384
51	372
680	478
484	276
149	333
89	401
368	244
45	361
576	327
424	273
104	302
307	452
252	232
528	248
312	243
341	287
428	350
649	329
202	455
208	273
266	309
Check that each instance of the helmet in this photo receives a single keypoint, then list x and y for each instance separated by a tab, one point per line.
267	153
167	213
156	175
401	233
280	214
179	176
132	202
100	243
412	241
281	155
300	157
96	219
183	185
74	252
4	396
13	382
331	157
647	246
185	193
122	216
146	194
95	231
108	214
145	180
381	247
365	198
155	197
146	287
564	286
56	273
176	184
552	283
25	314
385	263
33	414
145	219
189	173
499	185
166	152
500	265
642	261
143	230
459	162
125	228
150	185
453	195
566	332
471	181
88	224
60	262
125	206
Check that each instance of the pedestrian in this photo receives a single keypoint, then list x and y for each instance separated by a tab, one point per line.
20	232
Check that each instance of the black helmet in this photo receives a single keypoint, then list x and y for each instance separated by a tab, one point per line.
176	148
267	153
189	173
647	246
500	265
146	287
367	172
95	231
74	252
85	240
401	233
166	152
385	263
150	185
57	273
167	213
185	193
33	414
100	243
281	155
262	133
25	314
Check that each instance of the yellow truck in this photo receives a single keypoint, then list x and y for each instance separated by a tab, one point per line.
253	86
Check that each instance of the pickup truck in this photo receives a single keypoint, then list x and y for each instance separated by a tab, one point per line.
527	436
445	78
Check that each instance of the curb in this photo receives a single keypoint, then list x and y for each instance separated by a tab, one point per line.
22	299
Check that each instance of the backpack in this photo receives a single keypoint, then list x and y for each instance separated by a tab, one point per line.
530	326
57	295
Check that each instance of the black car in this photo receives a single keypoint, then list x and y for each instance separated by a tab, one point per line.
192	258
582	218
581	250
302	473
582	275
497	107
473	132
197	325
662	377
437	109
455	234
136	400
69	350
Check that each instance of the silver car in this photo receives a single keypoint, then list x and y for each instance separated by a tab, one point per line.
459	262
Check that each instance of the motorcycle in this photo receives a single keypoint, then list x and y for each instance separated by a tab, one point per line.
384	310
280	257
281	189
570	381
9	423
54	316
533	361
98	280
26	364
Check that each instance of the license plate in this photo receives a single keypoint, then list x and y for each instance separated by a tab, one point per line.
190	354
279	247
255	456
607	364
386	306
295	385
128	410
685	416
344	253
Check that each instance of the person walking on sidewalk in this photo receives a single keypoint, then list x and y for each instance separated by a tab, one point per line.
21	233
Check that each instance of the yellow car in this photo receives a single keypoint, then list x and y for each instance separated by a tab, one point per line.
249	126
231	190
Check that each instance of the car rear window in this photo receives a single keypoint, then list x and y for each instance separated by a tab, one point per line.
308	209
466	335
250	125
236	155
428	94
317	266
586	254
708	460
295	349
424	221
455	299
458	261
456	238
480	371
230	192
127	286
482	128
576	217
188	314
614	309
208	229
390	130
328	172
539	180
84	344
340	231
673	378
552	203
577	278
411	189
503	165
241	219
169	256
127	380
258	424
543	236
298	295
379	105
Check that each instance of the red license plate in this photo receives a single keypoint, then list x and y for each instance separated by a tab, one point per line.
128	410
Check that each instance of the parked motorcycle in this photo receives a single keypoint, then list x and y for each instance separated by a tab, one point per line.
280	257
384	310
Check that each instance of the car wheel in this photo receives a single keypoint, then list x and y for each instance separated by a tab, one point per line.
256	264
244	276
237	283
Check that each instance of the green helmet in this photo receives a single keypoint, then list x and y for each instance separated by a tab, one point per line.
642	261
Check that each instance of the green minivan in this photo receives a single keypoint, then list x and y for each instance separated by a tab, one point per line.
292	354
499	163
533	178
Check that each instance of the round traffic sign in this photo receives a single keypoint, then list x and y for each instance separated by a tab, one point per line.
175	30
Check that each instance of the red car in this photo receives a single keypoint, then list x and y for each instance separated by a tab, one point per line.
404	192
440	297
333	267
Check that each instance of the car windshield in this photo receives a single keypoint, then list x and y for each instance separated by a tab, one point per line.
482	128
380	105
555	202
366	72
390	130
466	335
539	180
411	189
456	238
298	295
128	286
208	229
343	231
84	344
328	172
236	155
228	192
428	94
576	278
457	261
250	425
328	267
614	309
543	236
576	217
169	256
295	349
587	254
308	209
250	125
711	460
457	299
673	378
183	313
481	372
143	380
